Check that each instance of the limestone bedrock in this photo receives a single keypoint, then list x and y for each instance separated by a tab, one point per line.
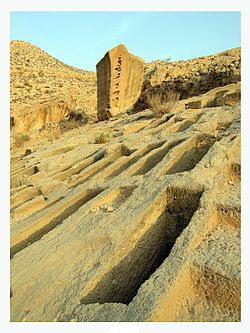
119	82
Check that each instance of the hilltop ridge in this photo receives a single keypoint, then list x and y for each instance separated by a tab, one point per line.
36	77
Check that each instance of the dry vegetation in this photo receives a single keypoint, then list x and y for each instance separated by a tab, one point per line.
68	125
102	138
162	104
19	140
37	77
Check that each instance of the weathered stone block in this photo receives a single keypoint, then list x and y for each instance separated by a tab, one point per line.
119	82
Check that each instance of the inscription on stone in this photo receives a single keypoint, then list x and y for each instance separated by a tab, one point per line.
119	82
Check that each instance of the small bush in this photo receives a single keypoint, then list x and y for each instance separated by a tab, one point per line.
102	138
68	125
20	139
79	116
74	120
162	105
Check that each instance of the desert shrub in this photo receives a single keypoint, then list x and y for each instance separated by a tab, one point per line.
79	116
162	104
74	120
69	125
102	138
20	139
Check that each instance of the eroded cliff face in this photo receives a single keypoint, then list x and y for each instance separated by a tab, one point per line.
36	116
119	82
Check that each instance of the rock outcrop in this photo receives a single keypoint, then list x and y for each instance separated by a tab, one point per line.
136	219
119	81
142	227
191	77
34	117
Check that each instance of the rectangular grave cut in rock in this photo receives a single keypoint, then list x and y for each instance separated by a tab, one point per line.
121	284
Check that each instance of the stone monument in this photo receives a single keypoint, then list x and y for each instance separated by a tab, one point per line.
119	82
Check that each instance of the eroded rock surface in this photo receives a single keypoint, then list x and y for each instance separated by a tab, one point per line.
135	218
143	227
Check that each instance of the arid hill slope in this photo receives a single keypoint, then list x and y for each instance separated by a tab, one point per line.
191	77
135	218
38	78
159	71
44	90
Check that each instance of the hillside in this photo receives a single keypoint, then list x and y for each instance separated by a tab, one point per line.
224	62
135	218
36	78
44	90
191	77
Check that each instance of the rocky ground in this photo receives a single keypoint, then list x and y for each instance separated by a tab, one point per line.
132	219
191	77
225	65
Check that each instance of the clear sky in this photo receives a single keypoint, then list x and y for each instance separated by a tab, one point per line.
82	38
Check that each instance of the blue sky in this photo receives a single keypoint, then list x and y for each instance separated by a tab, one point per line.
81	38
